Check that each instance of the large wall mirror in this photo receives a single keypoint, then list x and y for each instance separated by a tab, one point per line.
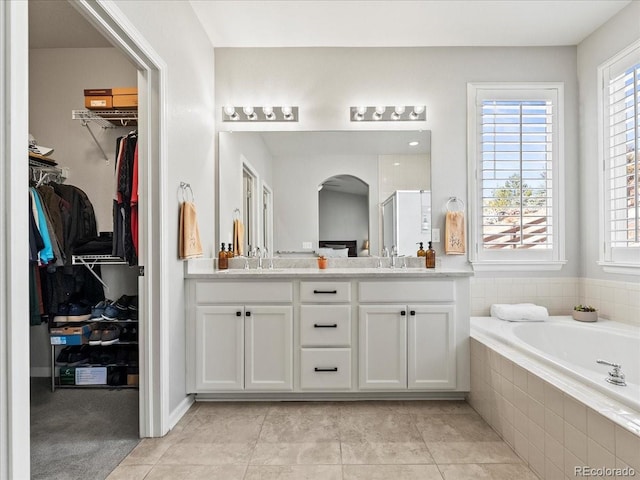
326	190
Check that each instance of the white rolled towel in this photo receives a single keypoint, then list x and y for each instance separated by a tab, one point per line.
519	312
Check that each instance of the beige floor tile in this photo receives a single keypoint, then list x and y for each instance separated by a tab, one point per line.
148	451
207	454
196	472
371	407
304	408
129	472
232	408
476	471
472	452
437	406
366	453
387	472
467	427
299	429
294	472
381	427
319	453
232	428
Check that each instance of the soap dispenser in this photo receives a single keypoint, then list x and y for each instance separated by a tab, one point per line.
421	251
431	257
223	260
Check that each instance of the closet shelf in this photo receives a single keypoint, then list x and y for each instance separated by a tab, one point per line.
91	260
107	118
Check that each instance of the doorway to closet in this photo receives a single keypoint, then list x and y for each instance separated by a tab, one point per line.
87	412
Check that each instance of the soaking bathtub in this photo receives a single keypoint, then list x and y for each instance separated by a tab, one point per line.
573	347
539	386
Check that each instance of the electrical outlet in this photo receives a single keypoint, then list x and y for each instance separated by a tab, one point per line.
306	245
435	235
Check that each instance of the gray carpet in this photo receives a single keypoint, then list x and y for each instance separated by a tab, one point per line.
80	434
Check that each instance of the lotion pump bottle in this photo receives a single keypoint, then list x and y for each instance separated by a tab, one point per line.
431	257
223	260
421	251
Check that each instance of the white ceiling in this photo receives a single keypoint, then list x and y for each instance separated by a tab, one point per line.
401	23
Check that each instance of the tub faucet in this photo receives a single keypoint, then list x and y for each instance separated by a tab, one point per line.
616	377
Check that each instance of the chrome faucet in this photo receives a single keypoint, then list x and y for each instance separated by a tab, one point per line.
394	256
616	377
259	255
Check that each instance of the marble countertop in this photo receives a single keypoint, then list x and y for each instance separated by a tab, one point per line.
205	269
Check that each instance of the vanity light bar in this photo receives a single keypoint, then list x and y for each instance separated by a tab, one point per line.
259	114
394	113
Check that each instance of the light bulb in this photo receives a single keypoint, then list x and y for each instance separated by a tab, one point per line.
231	112
268	113
287	112
379	112
417	111
399	109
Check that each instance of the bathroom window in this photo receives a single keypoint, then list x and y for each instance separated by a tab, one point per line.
516	159
620	140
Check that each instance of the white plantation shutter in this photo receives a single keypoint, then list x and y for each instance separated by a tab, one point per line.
515	154
621	85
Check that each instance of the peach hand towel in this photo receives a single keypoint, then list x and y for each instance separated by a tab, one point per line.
238	237
189	241
454	234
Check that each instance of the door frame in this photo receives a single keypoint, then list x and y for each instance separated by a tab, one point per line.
106	17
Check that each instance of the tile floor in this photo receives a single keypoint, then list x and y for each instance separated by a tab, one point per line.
412	440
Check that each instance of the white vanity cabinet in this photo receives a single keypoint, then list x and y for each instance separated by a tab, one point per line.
243	346
407	346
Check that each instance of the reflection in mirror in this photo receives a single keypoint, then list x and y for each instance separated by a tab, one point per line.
293	164
343	211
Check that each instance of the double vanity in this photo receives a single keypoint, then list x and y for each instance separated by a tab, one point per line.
305	333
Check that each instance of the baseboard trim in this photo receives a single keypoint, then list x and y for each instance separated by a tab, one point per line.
180	410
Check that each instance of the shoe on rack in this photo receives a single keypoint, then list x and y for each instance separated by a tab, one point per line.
79	312
110	335
79	356
96	337
95	356
62	315
122	355
98	309
63	357
110	312
133	308
107	356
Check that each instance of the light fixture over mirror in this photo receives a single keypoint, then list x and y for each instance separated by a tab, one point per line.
266	113
394	113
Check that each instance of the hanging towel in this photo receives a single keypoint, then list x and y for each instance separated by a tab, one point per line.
519	312
238	237
189	242
454	234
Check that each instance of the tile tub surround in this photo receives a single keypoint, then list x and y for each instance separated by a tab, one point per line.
619	301
546	425
360	440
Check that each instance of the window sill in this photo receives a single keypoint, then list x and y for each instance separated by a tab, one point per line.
518	266
620	268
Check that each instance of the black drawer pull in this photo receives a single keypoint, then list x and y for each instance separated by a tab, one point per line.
248	314
403	313
326	291
332	369
412	312
238	314
325	325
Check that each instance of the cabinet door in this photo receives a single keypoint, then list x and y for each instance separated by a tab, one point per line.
431	347
383	347
219	348
269	348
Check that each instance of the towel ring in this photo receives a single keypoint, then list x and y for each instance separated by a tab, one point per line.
236	214
184	187
454	200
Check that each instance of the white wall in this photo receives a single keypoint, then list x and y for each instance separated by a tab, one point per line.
175	34
325	82
604	43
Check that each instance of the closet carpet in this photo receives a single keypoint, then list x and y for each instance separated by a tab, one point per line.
80	433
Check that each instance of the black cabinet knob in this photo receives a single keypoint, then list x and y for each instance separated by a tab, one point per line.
403	313
238	314
248	314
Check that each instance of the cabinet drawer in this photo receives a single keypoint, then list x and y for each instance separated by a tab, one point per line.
325	325
325	292
325	368
244	292
427	291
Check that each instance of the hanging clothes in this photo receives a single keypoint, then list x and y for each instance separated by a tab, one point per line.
126	200
46	254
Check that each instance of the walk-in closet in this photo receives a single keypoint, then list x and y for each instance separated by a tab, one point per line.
84	269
